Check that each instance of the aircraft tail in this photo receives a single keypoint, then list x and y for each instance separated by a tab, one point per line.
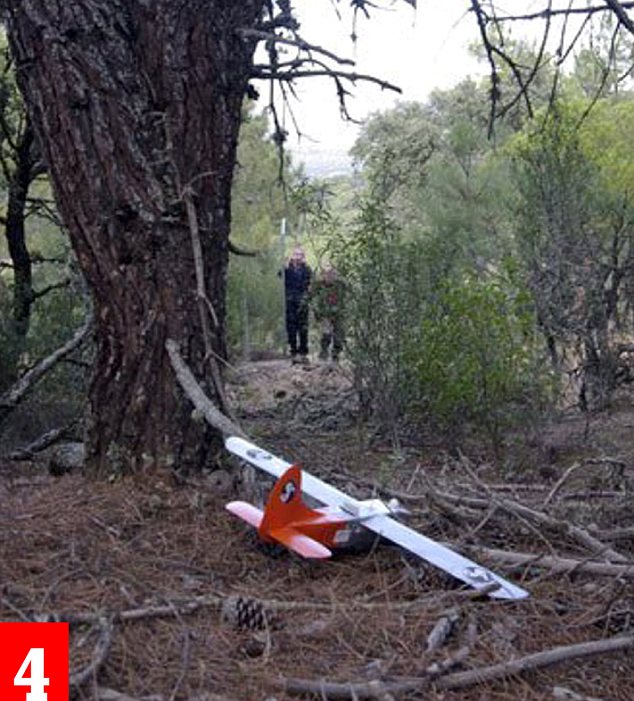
283	515
284	512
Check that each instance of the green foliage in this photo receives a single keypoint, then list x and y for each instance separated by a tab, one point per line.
394	148
604	66
379	275
451	351
255	303
575	233
254	293
477	360
452	196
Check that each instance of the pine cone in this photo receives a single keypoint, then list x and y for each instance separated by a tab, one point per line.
244	613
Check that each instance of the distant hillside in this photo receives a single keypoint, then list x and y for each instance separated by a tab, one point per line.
323	162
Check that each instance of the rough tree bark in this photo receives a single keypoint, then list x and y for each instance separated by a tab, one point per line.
137	105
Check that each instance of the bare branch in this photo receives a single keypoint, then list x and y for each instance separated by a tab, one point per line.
550	12
102	648
289	76
12	397
458	680
237	251
49	288
546	658
192	389
297	42
44	441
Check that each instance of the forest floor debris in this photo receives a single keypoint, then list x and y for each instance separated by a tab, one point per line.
170	599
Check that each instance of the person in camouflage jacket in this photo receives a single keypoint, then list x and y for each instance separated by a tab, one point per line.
327	300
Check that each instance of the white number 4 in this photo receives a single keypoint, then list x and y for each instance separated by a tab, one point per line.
37	681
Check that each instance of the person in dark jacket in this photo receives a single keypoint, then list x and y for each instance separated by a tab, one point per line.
297	276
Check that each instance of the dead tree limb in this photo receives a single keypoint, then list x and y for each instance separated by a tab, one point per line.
41	443
460	680
457	680
199	399
560	483
565	565
576	532
219	601
12	397
580	535
102	648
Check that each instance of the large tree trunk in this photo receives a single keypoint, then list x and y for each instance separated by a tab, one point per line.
137	104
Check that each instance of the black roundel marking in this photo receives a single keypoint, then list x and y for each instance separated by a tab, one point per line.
479	575
288	492
259	454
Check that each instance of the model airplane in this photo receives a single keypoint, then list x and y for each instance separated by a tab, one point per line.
315	533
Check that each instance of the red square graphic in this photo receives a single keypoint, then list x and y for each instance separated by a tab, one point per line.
34	661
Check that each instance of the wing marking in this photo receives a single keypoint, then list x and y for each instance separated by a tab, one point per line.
444	558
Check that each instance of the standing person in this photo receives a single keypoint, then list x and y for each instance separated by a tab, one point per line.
297	276
327	301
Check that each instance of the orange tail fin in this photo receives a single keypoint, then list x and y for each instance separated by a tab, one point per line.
284	509
285	505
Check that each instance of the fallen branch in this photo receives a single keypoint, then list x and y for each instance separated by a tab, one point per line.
524	512
566	565
582	536
614	533
560	483
12	397
39	444
443	628
198	398
102	648
460	680
576	532
190	606
457	680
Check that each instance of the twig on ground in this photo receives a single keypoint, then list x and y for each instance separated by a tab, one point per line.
458	657
102	648
560	483
460	680
566	565
185	665
442	629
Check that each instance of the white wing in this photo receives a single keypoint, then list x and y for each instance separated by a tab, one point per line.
315	488
439	555
443	557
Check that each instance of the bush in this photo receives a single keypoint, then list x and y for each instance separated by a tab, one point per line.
450	350
477	361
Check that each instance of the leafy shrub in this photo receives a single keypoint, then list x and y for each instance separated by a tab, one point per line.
451	350
477	360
